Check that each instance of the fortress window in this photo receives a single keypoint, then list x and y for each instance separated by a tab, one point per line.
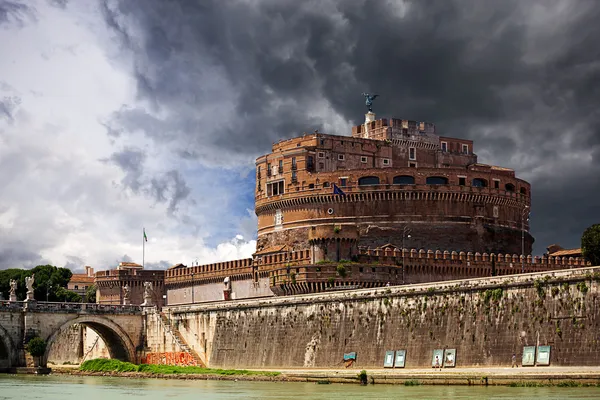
368	180
321	166
341	157
404	180
343	181
412	165
280	166
496	184
386	161
437	180
322	142
444	146
412	155
465	148
311	185
258	172
523	190
310	166
462	181
321	154
325	184
294	163
268	169
479	182
509	187
294	177
275	188
363	159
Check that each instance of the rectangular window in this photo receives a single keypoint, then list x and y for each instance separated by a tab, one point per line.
386	161
294	163
496	184
444	146
412	165
310	165
268	169
321	166
412	155
321	154
363	159
258	172
465	149
275	188
341	157
294	177
322	142
280	166
462	181
343	181
76	287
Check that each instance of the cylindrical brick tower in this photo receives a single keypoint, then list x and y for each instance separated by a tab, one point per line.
393	182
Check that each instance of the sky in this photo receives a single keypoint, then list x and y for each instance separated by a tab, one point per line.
119	115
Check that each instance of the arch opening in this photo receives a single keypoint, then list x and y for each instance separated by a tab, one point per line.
368	180
509	187
404	180
7	356
117	343
437	180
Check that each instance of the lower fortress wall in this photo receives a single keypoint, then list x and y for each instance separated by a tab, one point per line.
486	320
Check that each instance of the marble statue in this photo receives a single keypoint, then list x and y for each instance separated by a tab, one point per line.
369	100
147	294
126	294
29	284
13	290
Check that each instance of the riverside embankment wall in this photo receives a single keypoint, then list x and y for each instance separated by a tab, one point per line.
486	320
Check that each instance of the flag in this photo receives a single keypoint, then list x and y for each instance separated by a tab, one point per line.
337	190
145	237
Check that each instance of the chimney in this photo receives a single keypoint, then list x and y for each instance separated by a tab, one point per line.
89	271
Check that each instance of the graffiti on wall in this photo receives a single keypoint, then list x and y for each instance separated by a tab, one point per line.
170	358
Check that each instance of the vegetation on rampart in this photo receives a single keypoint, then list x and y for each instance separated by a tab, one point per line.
590	244
106	365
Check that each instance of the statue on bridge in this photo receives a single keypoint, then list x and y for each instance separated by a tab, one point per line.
126	294
13	291
29	284
147	294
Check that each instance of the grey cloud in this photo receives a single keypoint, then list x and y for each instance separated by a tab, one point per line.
15	12
170	187
59	3
131	161
229	78
18	256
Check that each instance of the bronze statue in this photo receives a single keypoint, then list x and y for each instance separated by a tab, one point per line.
369	100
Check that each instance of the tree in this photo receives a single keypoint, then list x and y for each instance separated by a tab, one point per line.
48	280
90	294
68	296
590	244
36	347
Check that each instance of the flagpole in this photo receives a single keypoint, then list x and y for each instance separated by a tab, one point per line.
143	246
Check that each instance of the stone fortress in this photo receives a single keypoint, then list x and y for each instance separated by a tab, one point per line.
393	204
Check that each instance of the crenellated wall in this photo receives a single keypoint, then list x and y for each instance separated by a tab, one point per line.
486	320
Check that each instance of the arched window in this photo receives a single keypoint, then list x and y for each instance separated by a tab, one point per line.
437	180
523	190
368	180
404	180
325	184
479	182
509	187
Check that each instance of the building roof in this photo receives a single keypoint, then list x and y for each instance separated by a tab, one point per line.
81	278
129	265
274	249
180	265
567	253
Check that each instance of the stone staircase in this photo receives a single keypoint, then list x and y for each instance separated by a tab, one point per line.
179	340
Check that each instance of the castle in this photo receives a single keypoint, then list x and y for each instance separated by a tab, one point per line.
341	212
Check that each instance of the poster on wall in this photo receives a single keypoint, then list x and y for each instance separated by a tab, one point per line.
449	358
437	359
528	356
543	355
400	359
388	361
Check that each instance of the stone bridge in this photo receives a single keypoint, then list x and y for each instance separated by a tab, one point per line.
121	327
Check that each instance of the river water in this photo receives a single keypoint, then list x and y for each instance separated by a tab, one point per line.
25	387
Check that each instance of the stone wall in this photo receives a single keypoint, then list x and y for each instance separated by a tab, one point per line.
213	291
486	320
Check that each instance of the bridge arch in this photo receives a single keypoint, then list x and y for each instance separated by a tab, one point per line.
7	350
119	344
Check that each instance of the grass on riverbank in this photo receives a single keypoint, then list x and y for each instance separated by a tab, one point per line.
105	365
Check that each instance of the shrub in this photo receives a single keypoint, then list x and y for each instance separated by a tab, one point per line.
341	270
36	347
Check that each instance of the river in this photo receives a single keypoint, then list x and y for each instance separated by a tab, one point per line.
61	387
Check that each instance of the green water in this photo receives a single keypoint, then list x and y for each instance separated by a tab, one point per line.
92	388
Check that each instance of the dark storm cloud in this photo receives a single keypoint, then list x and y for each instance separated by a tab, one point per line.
519	78
169	187
15	11
18	256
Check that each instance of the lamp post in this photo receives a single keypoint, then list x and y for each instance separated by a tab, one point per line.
48	287
525	211
405	234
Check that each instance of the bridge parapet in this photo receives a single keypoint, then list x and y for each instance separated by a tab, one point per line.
78	308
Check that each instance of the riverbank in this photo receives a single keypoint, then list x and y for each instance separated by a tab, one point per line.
519	377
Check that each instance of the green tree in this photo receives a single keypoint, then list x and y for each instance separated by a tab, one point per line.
590	244
90	294
68	296
48	280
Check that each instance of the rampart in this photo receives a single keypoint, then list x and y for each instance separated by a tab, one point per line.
486	320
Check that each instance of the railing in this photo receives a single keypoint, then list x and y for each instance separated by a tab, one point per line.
42	306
